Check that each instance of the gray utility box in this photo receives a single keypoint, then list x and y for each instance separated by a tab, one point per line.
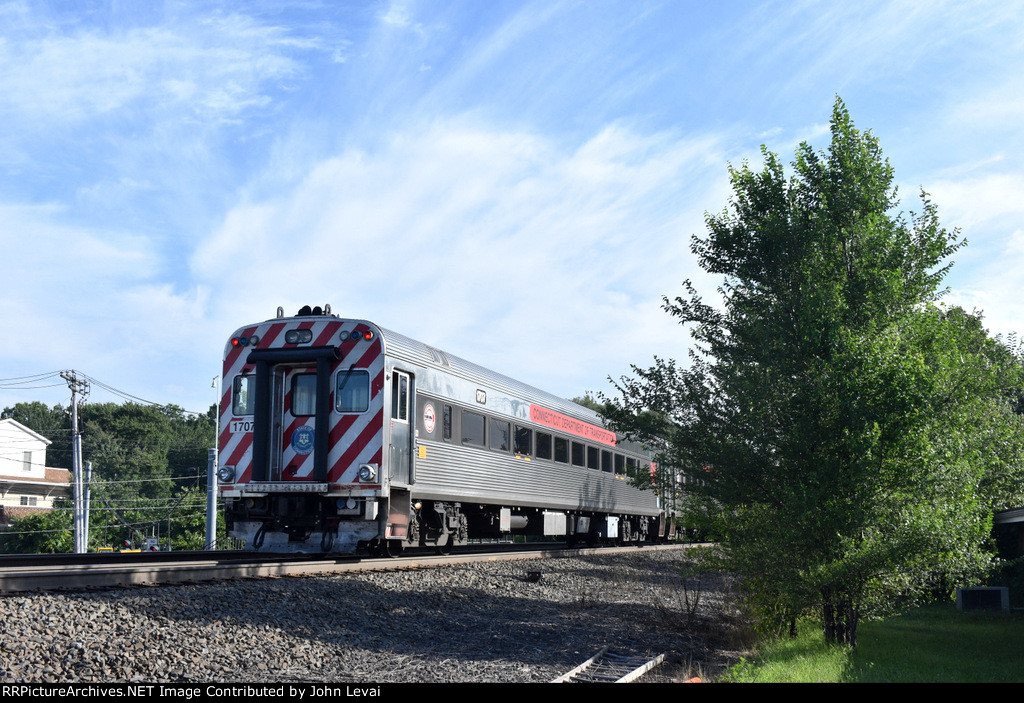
983	598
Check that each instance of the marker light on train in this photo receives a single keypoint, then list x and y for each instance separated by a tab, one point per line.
245	341
367	472
226	474
357	335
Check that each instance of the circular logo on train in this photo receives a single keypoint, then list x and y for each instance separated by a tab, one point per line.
302	440
428	418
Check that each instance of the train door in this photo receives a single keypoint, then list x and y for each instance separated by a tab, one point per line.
291	421
400	451
294	431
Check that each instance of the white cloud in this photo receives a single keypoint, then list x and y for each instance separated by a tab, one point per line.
210	69
498	246
988	274
85	298
982	205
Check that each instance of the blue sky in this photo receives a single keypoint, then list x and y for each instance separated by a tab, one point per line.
516	183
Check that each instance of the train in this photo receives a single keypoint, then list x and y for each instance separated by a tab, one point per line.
337	435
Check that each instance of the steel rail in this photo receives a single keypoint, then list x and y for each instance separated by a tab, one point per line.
206	567
610	666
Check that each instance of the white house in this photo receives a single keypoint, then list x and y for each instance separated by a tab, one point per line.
27	484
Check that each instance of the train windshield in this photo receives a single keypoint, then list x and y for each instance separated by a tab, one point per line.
353	392
241	396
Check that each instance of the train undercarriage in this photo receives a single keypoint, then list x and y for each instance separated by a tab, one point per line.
314	523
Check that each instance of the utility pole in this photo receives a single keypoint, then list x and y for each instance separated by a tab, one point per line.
77	386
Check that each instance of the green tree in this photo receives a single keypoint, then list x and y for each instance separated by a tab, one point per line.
146	461
850	436
149	469
46	532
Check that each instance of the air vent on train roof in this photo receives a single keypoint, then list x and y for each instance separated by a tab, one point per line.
439	357
306	311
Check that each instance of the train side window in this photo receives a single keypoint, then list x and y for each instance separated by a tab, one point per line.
620	462
304	394
523	440
242	395
500	435
606	461
446	423
593	459
578	454
473	429
400	396
352	392
543	445
562	450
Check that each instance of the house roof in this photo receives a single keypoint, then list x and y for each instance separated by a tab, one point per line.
27	430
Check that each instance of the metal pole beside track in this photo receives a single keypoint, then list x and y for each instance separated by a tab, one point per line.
211	499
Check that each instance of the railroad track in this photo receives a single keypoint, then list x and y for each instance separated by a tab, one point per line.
610	666
79	572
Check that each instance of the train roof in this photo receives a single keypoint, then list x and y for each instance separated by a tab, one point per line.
401	346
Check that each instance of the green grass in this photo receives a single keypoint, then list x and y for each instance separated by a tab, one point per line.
931	644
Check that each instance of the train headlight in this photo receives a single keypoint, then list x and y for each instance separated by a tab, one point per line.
226	474
298	336
367	472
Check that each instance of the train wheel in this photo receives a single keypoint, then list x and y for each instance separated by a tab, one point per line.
327	541
390	548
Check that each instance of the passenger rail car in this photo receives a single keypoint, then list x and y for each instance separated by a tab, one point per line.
338	434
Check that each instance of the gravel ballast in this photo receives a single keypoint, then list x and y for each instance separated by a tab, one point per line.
485	622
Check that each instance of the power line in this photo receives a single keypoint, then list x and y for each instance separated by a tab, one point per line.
137	399
19	383
14	380
18	387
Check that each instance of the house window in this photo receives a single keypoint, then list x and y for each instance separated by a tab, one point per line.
29	500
